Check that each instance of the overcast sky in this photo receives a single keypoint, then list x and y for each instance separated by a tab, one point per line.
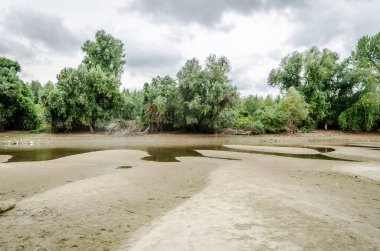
160	35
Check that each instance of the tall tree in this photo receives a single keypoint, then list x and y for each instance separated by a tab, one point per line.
364	115
204	92
106	52
89	96
312	73
17	110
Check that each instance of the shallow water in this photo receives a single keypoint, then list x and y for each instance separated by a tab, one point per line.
159	154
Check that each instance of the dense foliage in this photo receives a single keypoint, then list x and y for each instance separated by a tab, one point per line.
88	96
318	90
17	110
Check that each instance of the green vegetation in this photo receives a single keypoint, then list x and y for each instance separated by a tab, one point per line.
318	90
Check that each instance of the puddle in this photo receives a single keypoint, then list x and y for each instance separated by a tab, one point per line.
123	167
168	154
39	154
366	147
292	155
158	154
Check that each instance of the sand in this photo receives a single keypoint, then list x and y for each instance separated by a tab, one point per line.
274	149
270	204
258	202
4	158
61	207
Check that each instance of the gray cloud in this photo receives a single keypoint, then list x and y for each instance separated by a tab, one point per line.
325	21
14	48
207	13
39	27
152	58
27	32
316	22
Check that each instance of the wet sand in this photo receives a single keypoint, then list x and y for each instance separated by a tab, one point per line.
4	158
261	202
274	149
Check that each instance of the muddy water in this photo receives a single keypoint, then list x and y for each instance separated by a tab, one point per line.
158	154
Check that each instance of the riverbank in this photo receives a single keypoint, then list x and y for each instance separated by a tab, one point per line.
99	140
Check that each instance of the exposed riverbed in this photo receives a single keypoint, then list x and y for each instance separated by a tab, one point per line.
190	192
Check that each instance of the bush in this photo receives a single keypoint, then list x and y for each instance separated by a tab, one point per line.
363	115
272	119
256	127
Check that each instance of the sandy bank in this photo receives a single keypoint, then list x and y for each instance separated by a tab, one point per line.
4	158
259	202
356	153
83	202
273	149
276	203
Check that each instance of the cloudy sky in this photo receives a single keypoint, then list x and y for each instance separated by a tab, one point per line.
160	35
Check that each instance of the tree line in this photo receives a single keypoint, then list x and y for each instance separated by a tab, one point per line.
318	90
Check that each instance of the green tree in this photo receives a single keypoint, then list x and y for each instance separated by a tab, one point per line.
313	73
106	52
295	107
83	98
203	93
88	96
364	114
17	110
159	97
35	89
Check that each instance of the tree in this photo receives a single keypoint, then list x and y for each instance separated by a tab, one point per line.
89	96
83	97
312	73
296	108
17	110
159	97
204	93
106	52
364	114
35	88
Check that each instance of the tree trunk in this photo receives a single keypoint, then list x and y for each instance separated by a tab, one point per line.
326	126
91	129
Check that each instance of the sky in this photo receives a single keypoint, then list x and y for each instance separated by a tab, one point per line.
45	36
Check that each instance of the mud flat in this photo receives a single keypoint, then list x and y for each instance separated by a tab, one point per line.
115	200
85	202
273	149
277	203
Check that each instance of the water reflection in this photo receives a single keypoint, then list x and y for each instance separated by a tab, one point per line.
39	154
163	154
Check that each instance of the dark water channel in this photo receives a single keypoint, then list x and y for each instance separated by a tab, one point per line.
159	154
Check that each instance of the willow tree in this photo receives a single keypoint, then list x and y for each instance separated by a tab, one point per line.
313	74
364	115
89	96
203	93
